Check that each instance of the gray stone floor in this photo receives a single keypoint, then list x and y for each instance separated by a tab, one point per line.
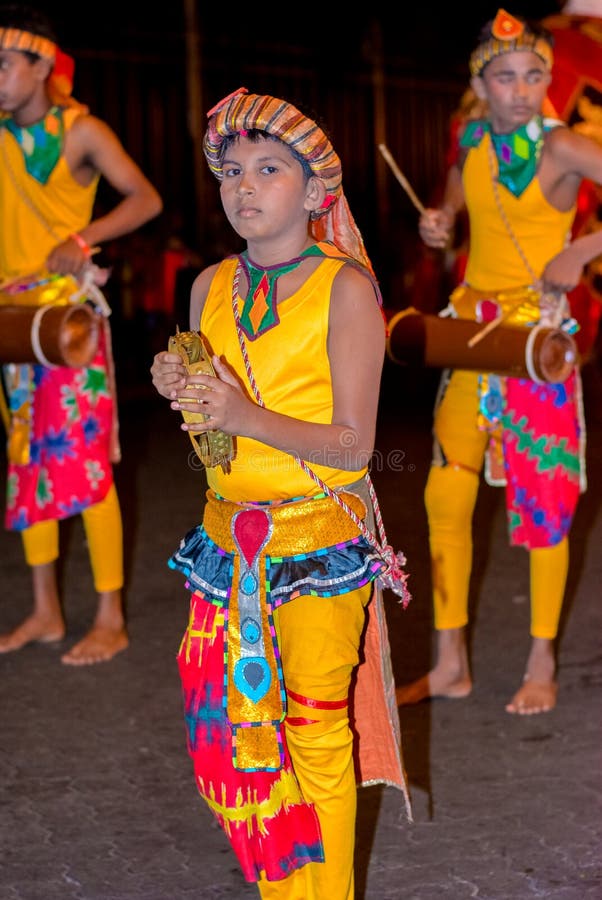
97	800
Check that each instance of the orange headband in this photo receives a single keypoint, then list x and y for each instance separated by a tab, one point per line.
26	42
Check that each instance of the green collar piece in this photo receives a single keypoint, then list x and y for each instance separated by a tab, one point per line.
41	143
517	153
260	309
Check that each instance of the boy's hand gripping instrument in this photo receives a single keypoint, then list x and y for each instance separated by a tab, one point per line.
214	448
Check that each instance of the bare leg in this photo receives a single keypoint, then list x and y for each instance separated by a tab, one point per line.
107	637
451	676
45	624
538	692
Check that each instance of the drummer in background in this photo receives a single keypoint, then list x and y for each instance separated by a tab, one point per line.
518	176
62	426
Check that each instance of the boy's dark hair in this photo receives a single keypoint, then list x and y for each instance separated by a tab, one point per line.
27	18
256	134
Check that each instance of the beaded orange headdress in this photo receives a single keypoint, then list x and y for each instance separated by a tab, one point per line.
241	111
507	36
60	81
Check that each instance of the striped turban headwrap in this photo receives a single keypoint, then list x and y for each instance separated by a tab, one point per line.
509	35
240	112
60	81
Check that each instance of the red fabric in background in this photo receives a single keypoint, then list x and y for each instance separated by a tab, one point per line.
577	75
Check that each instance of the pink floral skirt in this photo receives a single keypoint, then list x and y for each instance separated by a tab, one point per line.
65	447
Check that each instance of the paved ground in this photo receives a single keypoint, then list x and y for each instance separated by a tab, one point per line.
97	800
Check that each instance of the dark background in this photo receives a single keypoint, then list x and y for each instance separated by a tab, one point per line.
131	70
435	36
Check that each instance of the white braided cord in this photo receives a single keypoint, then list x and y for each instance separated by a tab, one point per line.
504	217
529	354
35	336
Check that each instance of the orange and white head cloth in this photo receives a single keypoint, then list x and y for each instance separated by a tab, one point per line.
510	35
240	112
60	80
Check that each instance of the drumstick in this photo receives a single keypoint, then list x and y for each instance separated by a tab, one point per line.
401	178
485	331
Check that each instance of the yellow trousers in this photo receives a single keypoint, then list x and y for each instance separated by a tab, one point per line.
104	533
450	497
319	642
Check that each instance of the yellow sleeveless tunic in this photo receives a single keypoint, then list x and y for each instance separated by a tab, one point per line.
494	262
297	384
62	202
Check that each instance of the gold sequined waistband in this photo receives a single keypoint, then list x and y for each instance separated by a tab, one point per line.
302	526
520	305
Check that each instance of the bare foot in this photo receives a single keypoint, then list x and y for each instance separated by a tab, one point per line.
34	629
533	697
451	676
537	694
435	684
99	645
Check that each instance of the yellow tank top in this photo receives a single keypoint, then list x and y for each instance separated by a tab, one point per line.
62	203
542	231
292	371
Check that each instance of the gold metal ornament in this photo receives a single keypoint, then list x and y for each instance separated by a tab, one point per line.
214	447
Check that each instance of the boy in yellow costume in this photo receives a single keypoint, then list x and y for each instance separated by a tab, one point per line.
61	422
518	175
285	569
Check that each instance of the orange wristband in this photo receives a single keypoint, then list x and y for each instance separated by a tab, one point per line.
82	244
